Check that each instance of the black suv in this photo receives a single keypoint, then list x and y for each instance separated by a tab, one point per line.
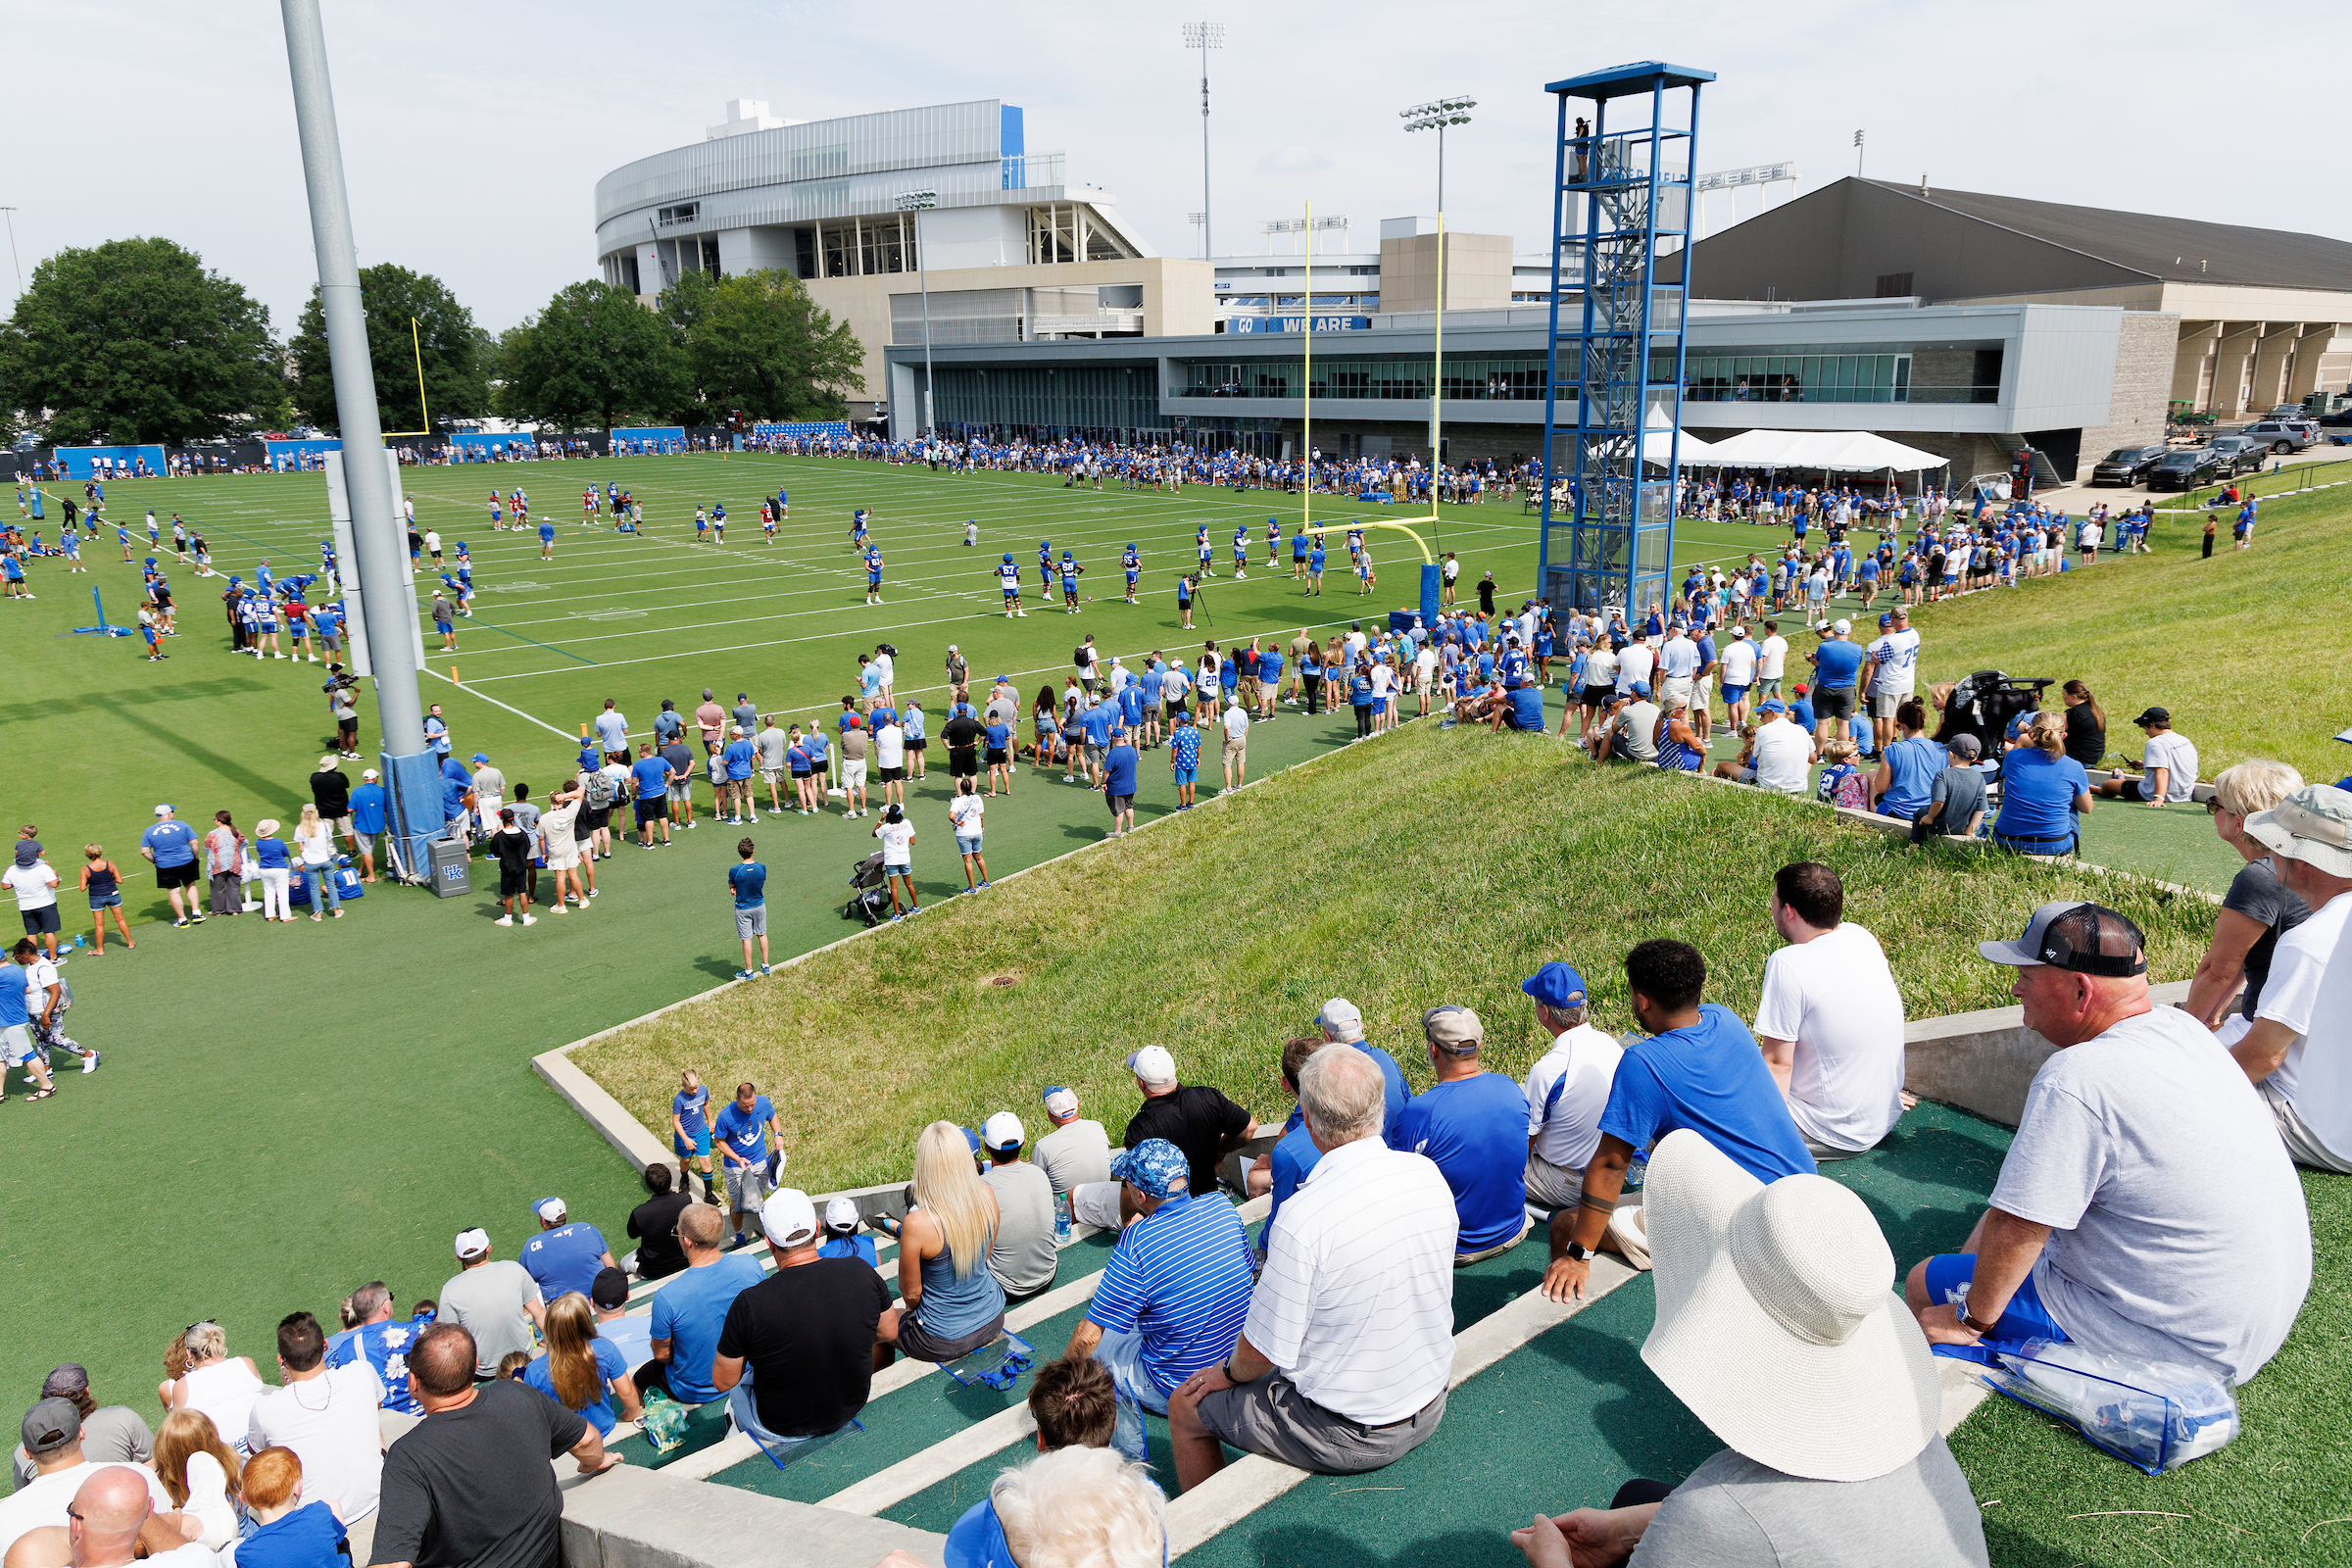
2240	453
2186	470
2126	465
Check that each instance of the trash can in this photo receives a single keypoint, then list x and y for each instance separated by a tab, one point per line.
452	869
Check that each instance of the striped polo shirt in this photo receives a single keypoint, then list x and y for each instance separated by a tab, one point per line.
1180	1276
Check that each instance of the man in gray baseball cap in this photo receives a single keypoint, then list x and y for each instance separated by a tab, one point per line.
111	1434
2296	1047
2106	1227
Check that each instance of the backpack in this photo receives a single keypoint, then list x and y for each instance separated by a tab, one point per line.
598	792
1850	791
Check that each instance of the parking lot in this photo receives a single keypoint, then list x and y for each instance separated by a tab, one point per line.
2083	494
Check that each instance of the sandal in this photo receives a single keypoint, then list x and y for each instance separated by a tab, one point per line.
42	1094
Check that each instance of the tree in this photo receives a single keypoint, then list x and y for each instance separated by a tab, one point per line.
457	379
136	340
593	355
756	341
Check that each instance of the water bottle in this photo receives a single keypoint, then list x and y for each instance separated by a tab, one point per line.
1061	1219
78	942
1637	1170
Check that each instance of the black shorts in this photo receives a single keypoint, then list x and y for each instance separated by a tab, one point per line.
1833	703
510	883
801	773
651	812
891	775
1120	803
176	876
589	821
915	745
40	922
996	757
1598	695
962	761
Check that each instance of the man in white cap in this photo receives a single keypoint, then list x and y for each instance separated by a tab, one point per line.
1195	1118
497	1301
1023	1257
2106	1226
2298	1050
565	1254
1076	1151
1343	1024
796	1352
1473	1123
1774	1328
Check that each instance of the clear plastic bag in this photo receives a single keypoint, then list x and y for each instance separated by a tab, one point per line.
2157	1415
998	1364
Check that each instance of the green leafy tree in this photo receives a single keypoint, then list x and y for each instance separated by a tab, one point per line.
456	377
136	340
591	358
757	342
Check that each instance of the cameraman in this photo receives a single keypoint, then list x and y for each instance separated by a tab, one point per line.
343	702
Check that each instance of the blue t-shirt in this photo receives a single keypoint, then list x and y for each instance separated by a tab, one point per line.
2038	795
739	1131
1316	558
547	531
651	775
1293	1157
368	806
1914	763
1476	1129
690	1309
309	1536
1119	769
815	746
1096	724
1228	675
1131	702
861	1247
1395	1096
1711	1078
749	879
270	853
1801	710
609	1364
999	735
566	1258
740	756
1527	708
977	1540
386	1347
693	1111
1837	661
1183	747
173	843
1269	663
1181	1277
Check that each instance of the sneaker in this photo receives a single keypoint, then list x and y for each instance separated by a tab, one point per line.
89	1063
559	909
195	919
530	919
984	887
756	818
592	893
768	969
744	974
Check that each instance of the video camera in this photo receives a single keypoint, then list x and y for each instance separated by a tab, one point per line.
339	681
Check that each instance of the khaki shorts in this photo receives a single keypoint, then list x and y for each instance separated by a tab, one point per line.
853	773
1270	1416
1884	703
1236	747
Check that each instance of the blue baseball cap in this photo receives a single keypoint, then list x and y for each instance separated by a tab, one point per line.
1887	619
1555	985
1772	705
1153	1167
1641	688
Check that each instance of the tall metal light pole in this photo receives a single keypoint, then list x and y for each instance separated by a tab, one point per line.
375	533
1858	155
919	202
1437	114
12	247
1205	36
1196	220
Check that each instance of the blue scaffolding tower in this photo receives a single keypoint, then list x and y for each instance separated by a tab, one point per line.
1620	205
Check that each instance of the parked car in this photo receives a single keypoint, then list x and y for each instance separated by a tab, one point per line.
2339	418
2283	435
2286	410
2186	470
2125	466
2240	453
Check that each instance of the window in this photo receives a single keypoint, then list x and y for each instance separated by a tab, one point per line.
1894	286
683	212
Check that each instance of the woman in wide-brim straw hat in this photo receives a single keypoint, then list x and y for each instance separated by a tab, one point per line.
1777	1325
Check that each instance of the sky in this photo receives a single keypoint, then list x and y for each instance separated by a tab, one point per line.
473	135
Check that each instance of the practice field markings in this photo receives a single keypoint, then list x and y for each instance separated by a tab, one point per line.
509	706
609	612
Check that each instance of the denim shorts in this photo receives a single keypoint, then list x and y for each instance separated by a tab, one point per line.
1187	775
968	845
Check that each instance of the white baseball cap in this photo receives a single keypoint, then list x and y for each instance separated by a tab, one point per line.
841	1215
1842	627
1341	1017
473	1243
367	773
1153	1064
788	1217
1003	1130
550	1209
1060	1102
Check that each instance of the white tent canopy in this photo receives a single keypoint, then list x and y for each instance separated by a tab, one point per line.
1819	452
1657	448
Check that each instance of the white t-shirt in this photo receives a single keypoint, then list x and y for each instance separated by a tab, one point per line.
1634	665
35	884
890	747
2291	995
888	668
898	841
1774	653
1898	656
1679	659
2173	752
44	1501
1567	1090
965	811
1601	668
329	1421
2148	1255
1836	997
1783	759
1738	663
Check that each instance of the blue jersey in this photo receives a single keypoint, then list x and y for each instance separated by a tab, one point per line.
385	1346
566	1258
692	1110
744	1134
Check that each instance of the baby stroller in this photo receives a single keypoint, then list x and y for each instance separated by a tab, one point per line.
870	896
1985	704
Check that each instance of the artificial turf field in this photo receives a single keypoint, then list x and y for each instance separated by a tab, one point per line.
305	1109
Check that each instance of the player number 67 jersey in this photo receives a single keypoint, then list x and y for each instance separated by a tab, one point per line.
1010	576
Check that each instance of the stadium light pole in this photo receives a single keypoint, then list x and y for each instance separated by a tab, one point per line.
375	535
1437	114
919	202
1205	36
1858	155
12	247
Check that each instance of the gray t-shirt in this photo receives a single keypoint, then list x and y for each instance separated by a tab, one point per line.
1962	792
489	1301
2149	1256
773	742
488	780
1074	1155
1024	1258
112	1433
1638	723
747	715
2257	893
1734	1512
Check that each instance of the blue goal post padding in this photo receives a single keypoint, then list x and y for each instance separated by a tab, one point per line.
652	436
839	429
77	463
